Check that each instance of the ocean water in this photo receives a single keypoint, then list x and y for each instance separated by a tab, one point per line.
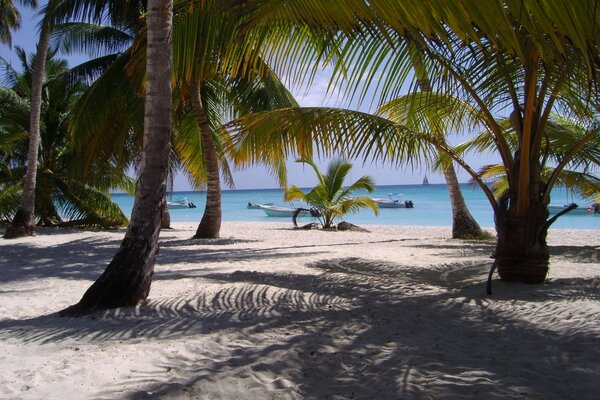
431	207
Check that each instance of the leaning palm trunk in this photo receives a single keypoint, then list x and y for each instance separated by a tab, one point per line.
23	223
126	281
464	225
522	253
210	225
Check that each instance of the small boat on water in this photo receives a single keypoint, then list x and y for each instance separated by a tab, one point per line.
256	206
180	203
425	180
276	211
592	209
390	202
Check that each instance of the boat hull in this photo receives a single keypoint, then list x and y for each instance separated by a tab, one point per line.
253	206
554	209
180	204
282	212
391	205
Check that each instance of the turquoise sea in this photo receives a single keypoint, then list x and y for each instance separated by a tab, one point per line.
431	207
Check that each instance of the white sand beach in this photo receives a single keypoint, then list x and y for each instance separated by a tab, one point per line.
268	312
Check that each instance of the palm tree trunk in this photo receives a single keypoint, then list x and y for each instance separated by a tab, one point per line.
522	254
165	219
464	225
23	224
126	281
210	225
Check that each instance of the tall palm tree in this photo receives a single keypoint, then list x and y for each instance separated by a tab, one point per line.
521	59
464	225
82	200
23	224
207	88
126	281
330	197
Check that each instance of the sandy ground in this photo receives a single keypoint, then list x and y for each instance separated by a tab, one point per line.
268	312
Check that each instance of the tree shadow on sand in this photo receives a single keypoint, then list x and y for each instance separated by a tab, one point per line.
357	329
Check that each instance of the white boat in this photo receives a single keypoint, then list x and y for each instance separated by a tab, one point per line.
425	180
389	202
555	209
276	211
180	203
256	206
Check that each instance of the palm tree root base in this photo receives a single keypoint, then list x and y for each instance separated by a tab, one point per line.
464	226
516	269
347	226
208	229
125	282
20	227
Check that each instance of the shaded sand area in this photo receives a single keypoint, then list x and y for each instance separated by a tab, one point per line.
267	312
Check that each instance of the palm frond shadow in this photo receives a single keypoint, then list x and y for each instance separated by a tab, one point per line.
460	249
206	242
26	262
375	333
578	254
355	329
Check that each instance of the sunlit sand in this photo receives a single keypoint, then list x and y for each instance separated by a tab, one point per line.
268	312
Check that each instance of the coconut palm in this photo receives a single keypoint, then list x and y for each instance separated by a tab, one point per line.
208	92
62	192
126	281
464	225
330	197
562	134
23	223
546	59
10	18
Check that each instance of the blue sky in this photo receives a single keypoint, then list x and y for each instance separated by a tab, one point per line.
258	177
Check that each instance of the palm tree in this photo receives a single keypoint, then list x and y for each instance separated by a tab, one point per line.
546	59
562	134
83	201
126	281
10	18
208	89
23	223
330	197
464	225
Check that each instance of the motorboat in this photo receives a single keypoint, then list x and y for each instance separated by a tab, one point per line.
276	211
592	209
390	202
180	203
256	206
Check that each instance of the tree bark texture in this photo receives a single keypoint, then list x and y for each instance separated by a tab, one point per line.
127	279
210	225
165	219
464	225
23	224
522	254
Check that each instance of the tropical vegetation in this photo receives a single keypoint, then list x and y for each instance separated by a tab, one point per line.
509	63
10	18
545	59
127	279
330	197
64	196
207	93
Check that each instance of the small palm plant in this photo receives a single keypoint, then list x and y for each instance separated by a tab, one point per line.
330	197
